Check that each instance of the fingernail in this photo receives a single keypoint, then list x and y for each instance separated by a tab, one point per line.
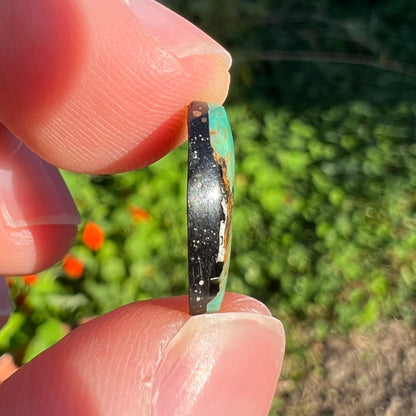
5	302
32	191
220	364
7	366
173	32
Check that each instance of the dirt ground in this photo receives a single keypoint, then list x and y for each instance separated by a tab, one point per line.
371	374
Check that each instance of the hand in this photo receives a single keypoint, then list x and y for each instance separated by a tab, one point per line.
96	86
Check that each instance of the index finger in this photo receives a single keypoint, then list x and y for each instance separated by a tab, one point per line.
100	86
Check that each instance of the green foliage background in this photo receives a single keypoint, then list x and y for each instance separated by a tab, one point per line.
325	200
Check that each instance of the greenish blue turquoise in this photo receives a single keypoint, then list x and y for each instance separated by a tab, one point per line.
222	142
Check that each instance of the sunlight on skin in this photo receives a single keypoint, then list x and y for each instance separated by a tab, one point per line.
87	104
150	354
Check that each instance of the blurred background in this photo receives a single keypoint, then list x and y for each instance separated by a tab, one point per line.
323	109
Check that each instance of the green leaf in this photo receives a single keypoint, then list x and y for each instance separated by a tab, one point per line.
46	335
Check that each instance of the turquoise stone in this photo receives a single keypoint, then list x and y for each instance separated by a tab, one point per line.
222	143
210	202
221	137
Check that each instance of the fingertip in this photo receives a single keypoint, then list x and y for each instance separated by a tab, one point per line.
122	362
233	357
38	218
114	96
31	249
187	40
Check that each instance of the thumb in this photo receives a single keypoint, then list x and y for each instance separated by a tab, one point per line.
152	358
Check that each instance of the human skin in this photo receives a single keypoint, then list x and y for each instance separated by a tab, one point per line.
100	86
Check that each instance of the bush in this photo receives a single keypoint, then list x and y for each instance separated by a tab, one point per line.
324	212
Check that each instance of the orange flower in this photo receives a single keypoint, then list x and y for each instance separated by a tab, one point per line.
73	267
139	214
93	236
30	279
